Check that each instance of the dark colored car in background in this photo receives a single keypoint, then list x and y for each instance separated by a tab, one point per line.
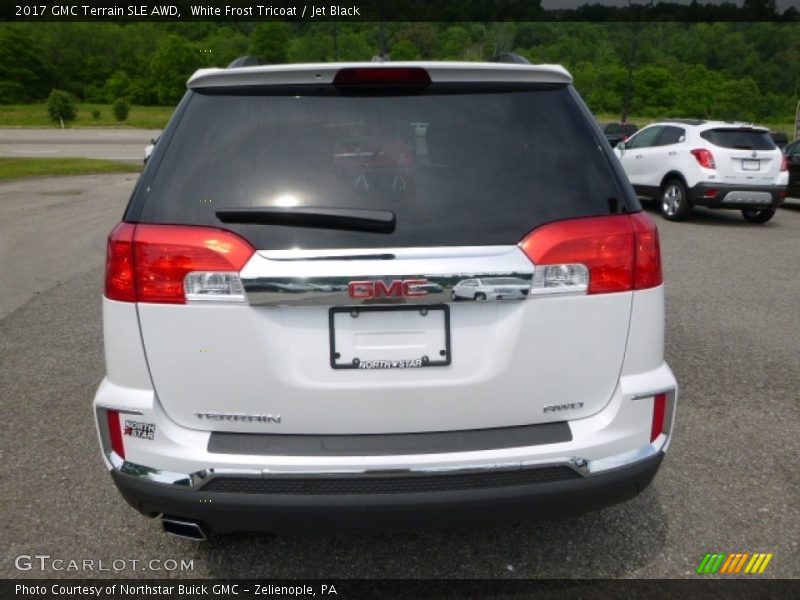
617	132
792	152
780	139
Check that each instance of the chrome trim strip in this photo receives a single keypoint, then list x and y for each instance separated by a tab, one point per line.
672	393
668	390
584	467
266	473
611	463
149	473
120	409
321	277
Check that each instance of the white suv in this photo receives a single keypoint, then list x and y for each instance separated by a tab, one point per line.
715	164
491	288
282	346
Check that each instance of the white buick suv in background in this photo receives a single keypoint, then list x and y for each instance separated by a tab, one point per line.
685	163
491	288
283	348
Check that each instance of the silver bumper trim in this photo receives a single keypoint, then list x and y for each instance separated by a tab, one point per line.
747	197
585	467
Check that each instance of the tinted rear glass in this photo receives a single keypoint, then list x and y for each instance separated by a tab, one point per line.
671	135
743	139
456	168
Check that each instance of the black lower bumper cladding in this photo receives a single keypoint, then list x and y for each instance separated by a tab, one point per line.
388	502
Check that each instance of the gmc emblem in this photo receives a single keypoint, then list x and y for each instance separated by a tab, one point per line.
360	290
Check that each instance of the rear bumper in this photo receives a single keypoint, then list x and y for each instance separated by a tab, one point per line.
229	485
737	196
479	506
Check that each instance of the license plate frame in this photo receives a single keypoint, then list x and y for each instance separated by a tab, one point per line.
432	361
751	164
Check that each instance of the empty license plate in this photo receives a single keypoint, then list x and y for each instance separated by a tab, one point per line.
389	337
750	165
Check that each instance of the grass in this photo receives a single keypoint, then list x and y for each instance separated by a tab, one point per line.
156	117
35	115
14	168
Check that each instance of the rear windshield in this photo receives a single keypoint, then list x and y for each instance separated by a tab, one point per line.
456	168
742	139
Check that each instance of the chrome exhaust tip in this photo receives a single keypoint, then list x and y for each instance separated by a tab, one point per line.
185	529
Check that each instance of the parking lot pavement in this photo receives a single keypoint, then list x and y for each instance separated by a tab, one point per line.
729	483
97	142
53	230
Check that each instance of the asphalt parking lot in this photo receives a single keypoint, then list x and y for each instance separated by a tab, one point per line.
729	484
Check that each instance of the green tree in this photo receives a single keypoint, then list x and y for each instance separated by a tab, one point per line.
174	62
224	45
316	45
699	86
81	54
270	42
737	100
136	45
61	106
452	43
760	8
121	109
655	91
500	38
95	94
422	36
404	50
23	74
603	87
118	85
149	62
355	45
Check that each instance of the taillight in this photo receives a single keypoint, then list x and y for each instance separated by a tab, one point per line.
659	416
120	283
647	263
382	76
784	164
704	158
172	264
595	255
115	433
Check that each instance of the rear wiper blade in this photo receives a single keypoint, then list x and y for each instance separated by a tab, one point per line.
351	219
